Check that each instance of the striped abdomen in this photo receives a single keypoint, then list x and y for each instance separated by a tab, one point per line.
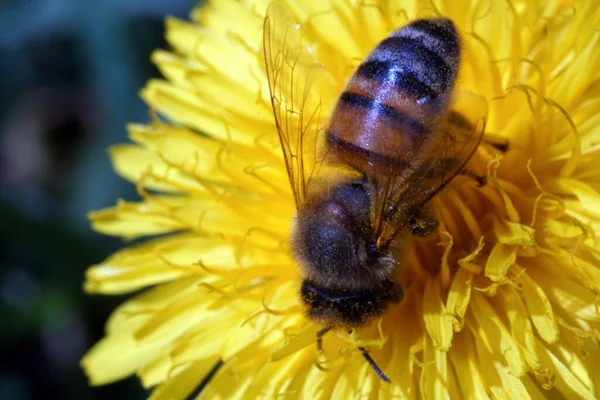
395	98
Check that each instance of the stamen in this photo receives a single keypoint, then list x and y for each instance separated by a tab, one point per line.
251	171
541	85
494	70
210	187
466	263
288	311
141	190
215	289
250	319
543	193
418	348
579	334
436	10
487	12
445	270
268	234
242	42
316	14
511	211
384	18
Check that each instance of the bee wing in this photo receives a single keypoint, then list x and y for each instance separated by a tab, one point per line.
401	196
301	95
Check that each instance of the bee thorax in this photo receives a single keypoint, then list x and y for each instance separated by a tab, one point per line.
335	250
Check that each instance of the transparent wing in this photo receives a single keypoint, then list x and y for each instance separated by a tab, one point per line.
301	91
400	196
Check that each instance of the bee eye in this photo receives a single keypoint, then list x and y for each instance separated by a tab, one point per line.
423	100
373	252
358	186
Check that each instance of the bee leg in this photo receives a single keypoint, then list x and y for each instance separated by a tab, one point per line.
439	168
320	335
498	142
422	225
372	362
480	179
374	365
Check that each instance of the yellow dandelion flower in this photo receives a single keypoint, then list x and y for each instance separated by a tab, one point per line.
503	301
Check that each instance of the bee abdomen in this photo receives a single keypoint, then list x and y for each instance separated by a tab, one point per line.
400	120
395	99
437	35
384	71
363	128
420	59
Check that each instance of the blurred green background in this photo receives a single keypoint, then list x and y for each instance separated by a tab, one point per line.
70	72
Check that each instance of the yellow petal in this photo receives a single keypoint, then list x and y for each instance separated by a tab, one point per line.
202	115
494	334
568	383
514	233
211	161
141	166
438	321
540	309
182	383
218	14
116	357
500	260
587	196
134	313
293	343
565	292
162	214
181	35
177	256
459	296
434	377
469	375
523	333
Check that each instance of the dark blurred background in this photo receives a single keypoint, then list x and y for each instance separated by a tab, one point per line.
70	72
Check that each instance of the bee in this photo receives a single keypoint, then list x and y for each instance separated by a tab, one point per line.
362	176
